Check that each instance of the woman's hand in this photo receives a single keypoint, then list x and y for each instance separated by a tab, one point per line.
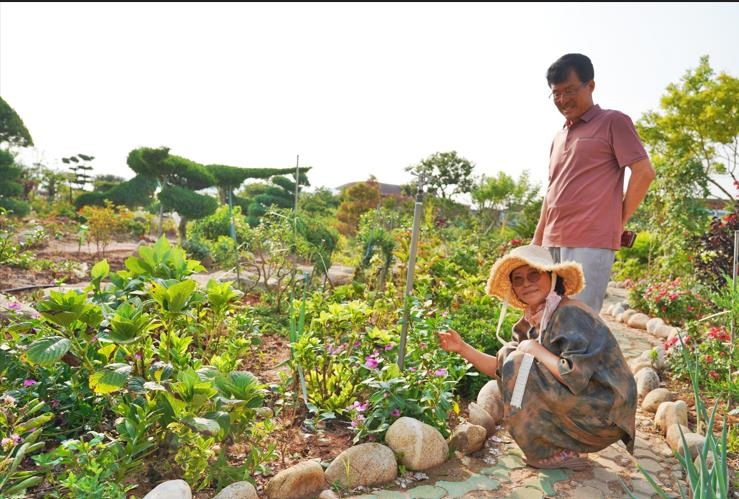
450	340
529	346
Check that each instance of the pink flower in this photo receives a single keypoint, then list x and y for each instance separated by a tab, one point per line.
371	363
359	406
395	413
29	382
440	372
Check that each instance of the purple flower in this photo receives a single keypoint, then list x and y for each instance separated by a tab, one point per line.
14	305
395	413
440	372
359	406
371	363
29	382
389	346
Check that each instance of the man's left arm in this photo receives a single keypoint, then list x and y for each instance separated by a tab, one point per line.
642	174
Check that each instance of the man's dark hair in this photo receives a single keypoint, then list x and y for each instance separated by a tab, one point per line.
559	71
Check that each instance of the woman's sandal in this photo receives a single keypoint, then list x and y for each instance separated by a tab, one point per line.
562	459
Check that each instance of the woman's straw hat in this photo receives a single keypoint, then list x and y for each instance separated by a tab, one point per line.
499	282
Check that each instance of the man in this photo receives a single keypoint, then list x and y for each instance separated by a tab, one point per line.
585	208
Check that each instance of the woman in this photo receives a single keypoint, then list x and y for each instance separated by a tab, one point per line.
579	394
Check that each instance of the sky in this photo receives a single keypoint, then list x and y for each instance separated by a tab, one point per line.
353	90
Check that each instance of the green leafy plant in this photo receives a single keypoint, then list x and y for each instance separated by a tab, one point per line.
87	468
708	474
20	429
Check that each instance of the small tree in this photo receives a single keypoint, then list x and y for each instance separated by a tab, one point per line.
502	199
356	200
445	174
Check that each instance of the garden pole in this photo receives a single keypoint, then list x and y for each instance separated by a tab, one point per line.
295	337
232	229
409	273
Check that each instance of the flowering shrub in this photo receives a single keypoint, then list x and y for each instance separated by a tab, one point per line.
423	390
711	349
672	301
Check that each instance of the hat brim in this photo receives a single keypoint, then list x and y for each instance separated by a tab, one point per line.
499	282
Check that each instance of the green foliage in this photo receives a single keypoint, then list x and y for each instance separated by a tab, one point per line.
423	390
11	190
12	129
637	261
708	473
20	429
692	139
132	193
89	468
444	174
322	203
103	223
502	200
186	202
218	224
715	248
161	260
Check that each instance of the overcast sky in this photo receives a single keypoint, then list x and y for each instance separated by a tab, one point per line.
353	89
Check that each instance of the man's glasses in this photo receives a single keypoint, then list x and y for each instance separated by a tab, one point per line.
570	92
532	276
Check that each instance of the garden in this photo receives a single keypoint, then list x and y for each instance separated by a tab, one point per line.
187	323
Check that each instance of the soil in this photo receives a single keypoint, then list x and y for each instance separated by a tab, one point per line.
294	439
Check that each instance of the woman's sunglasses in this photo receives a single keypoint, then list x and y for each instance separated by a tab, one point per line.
532	276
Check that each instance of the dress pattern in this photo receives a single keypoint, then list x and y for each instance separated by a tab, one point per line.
595	407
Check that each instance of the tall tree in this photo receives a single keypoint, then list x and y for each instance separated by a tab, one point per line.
695	136
444	174
693	139
12	129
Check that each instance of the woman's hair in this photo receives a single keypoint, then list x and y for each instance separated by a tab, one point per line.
559	288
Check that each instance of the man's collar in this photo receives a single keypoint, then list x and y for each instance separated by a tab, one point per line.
586	116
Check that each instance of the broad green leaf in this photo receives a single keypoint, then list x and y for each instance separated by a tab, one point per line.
110	379
202	425
100	271
48	350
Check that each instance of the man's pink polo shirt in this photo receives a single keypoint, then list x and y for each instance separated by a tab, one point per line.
586	180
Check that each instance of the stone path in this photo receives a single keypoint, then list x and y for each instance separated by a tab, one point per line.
499	471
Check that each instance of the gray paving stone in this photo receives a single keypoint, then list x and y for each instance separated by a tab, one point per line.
587	493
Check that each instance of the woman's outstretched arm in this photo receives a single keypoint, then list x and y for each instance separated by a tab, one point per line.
451	341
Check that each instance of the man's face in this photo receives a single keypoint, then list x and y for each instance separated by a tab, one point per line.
573	97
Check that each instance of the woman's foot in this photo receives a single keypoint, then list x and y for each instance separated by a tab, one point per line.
561	459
